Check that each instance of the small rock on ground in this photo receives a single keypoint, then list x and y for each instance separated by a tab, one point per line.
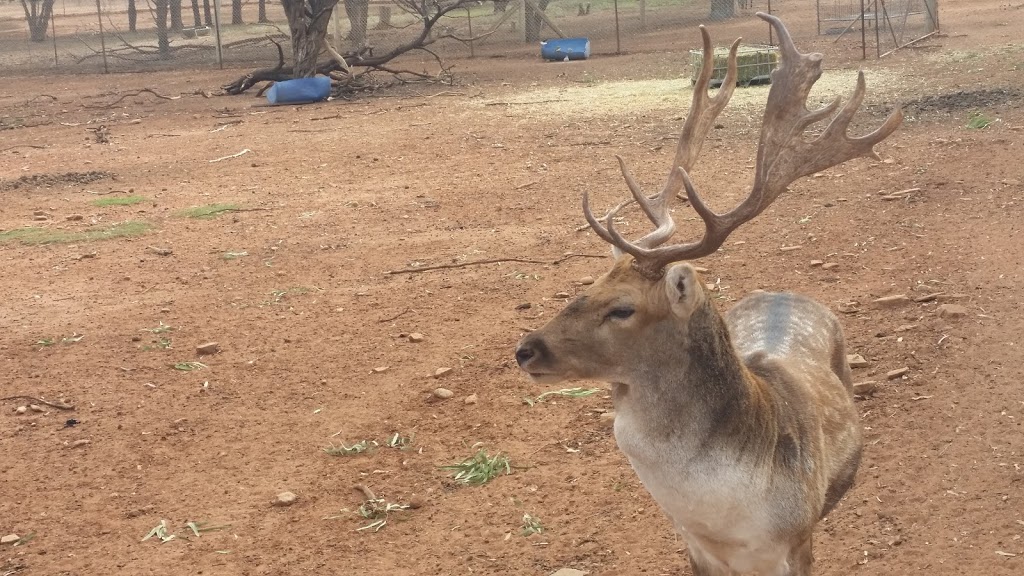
21	409
208	348
952	311
9	539
442	372
562	295
471	399
856	361
587	280
415	337
897	373
817	262
830	266
285	499
416	502
607	417
443	393
864	388
35	408
77	443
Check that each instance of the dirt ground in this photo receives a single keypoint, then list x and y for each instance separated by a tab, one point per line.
291	279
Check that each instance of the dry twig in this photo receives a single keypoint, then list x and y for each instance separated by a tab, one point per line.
136	93
35	400
492	261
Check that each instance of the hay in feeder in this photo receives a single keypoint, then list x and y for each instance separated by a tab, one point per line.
754	64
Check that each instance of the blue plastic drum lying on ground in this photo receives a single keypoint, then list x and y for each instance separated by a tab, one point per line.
565	49
300	90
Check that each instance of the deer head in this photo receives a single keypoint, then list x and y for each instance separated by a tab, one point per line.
615	329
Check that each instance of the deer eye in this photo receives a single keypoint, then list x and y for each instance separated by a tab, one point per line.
620	313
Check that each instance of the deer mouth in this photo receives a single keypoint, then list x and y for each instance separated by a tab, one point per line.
545	377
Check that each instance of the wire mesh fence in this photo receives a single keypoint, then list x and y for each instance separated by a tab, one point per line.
91	36
887	25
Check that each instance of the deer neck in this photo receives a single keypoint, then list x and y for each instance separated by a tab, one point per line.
688	380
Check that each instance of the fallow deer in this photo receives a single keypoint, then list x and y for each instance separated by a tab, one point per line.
742	427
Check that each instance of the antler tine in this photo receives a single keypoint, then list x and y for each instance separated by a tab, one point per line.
704	109
783	155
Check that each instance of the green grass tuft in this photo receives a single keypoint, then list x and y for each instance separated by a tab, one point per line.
118	201
37	236
208	211
979	121
480	468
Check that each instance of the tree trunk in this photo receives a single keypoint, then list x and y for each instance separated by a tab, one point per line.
358	12
263	12
723	9
534	23
176	23
162	41
133	16
37	15
207	14
195	14
308	33
236	12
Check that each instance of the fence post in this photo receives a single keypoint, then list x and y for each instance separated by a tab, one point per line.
216	29
53	33
103	42
522	21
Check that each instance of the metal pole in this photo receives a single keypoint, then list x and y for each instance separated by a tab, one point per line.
469	16
522	20
618	45
878	39
103	43
53	32
216	29
863	32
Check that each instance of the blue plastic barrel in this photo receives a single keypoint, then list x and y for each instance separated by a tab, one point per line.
300	90
565	49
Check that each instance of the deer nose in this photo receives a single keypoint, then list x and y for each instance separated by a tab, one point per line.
524	353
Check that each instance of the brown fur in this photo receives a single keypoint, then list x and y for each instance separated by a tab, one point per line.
771	413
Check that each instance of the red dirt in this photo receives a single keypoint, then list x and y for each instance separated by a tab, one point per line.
349	191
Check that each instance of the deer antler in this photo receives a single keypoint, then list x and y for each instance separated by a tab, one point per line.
701	119
783	156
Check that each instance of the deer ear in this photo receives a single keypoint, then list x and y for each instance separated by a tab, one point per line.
684	290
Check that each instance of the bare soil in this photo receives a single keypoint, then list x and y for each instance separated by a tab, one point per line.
291	277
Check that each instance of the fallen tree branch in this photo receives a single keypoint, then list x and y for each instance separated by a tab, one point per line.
40	146
136	93
492	261
35	400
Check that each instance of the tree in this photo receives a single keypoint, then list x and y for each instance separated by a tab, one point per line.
262	19
207	14
358	12
723	9
307	22
176	23
133	15
163	42
534	23
236	12
38	14
195	14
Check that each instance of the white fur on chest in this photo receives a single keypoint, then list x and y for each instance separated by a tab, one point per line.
717	507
